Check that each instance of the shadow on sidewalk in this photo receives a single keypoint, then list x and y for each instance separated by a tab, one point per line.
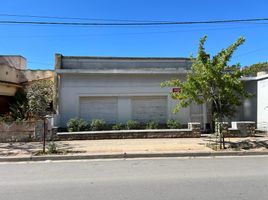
248	144
7	149
24	148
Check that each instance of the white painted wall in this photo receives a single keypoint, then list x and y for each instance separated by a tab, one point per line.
74	86
262	110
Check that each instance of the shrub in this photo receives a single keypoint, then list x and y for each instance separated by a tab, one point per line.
172	124
6	118
118	126
52	148
19	109
131	124
77	125
97	125
40	98
152	125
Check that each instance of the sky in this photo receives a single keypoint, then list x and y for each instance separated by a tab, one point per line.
39	43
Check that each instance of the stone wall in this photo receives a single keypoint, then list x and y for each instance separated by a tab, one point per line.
195	127
193	131
17	132
241	129
22	131
238	129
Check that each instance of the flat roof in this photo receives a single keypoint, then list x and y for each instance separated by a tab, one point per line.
126	57
255	78
12	56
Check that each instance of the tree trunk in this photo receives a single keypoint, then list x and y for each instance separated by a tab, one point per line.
222	141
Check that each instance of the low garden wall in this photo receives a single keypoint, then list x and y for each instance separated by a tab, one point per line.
17	131
23	131
240	129
193	131
33	131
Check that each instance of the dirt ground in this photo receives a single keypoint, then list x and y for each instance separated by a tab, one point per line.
203	144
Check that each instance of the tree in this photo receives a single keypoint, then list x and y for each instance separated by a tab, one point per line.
211	80
32	102
252	70
40	97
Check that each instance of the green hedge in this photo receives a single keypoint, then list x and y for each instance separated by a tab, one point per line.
76	124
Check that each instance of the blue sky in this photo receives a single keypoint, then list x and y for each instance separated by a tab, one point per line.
39	43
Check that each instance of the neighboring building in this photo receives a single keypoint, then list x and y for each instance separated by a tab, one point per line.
117	89
262	109
256	107
14	75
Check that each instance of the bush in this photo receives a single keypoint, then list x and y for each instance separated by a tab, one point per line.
172	124
77	125
118	126
40	98
6	118
152	125
52	148
131	124
97	125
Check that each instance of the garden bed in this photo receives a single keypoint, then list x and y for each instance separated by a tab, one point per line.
193	131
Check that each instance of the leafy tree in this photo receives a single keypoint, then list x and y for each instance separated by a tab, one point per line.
252	70
212	80
40	97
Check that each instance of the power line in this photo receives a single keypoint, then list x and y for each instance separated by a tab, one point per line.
125	33
251	52
132	23
78	18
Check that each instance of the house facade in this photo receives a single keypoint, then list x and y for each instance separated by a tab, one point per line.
14	75
262	102
255	108
118	89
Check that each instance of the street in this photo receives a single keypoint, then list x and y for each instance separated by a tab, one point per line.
150	179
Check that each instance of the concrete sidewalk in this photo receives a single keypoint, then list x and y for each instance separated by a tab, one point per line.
134	146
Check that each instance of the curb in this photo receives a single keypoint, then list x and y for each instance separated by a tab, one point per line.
130	155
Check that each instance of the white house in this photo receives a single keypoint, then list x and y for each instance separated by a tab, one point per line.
118	89
256	108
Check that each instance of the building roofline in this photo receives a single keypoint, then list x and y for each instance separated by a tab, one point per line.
121	71
126	58
12	56
22	70
254	78
8	83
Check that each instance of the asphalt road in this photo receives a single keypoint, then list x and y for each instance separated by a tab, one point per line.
237	178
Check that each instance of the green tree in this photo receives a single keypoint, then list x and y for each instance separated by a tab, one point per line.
211	80
252	70
40	98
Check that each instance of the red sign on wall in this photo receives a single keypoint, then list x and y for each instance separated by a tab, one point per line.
176	90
